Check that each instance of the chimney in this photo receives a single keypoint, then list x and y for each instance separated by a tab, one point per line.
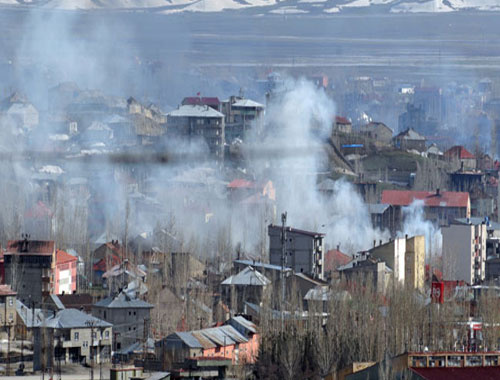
380	242
437	191
338	247
374	243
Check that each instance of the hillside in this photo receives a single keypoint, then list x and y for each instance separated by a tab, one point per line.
286	7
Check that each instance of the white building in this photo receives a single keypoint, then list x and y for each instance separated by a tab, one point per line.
464	252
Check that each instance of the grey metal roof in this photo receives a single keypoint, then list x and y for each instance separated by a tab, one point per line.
195	111
410	134
72	318
247	103
377	208
123	301
189	339
26	314
257	264
57	302
248	276
242	321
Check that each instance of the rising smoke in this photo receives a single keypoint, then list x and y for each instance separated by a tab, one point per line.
414	223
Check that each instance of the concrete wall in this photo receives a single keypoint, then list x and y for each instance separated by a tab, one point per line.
29	276
303	252
463	246
415	262
128	323
393	253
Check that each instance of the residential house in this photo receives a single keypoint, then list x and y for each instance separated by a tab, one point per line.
247	285
383	217
401	259
406	257
8	312
105	257
203	122
240	189
458	154
65	273
19	111
241	116
410	140
464	252
149	122
439	207
342	125
128	316
120	275
236	341
334	258
377	131
303	250
29	269
71	336
364	268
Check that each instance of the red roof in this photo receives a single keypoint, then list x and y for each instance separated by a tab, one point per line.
463	373
334	258
459	152
196	100
241	183
341	120
42	247
38	211
431	199
6	290
101	265
64	257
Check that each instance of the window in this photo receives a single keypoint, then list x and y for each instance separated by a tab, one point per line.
85	344
106	334
11	301
76	336
94	335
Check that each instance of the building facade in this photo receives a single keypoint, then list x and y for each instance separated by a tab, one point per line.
129	317
464	252
203	122
303	250
29	269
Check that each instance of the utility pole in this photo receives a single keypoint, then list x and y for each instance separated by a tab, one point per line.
145	334
283	264
91	324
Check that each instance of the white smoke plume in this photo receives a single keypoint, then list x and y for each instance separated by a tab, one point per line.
299	121
414	223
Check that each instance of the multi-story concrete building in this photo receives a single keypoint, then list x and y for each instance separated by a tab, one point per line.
401	259
70	335
303	250
29	268
241	116
129	317
393	254
199	121
464	252
65	273
415	262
